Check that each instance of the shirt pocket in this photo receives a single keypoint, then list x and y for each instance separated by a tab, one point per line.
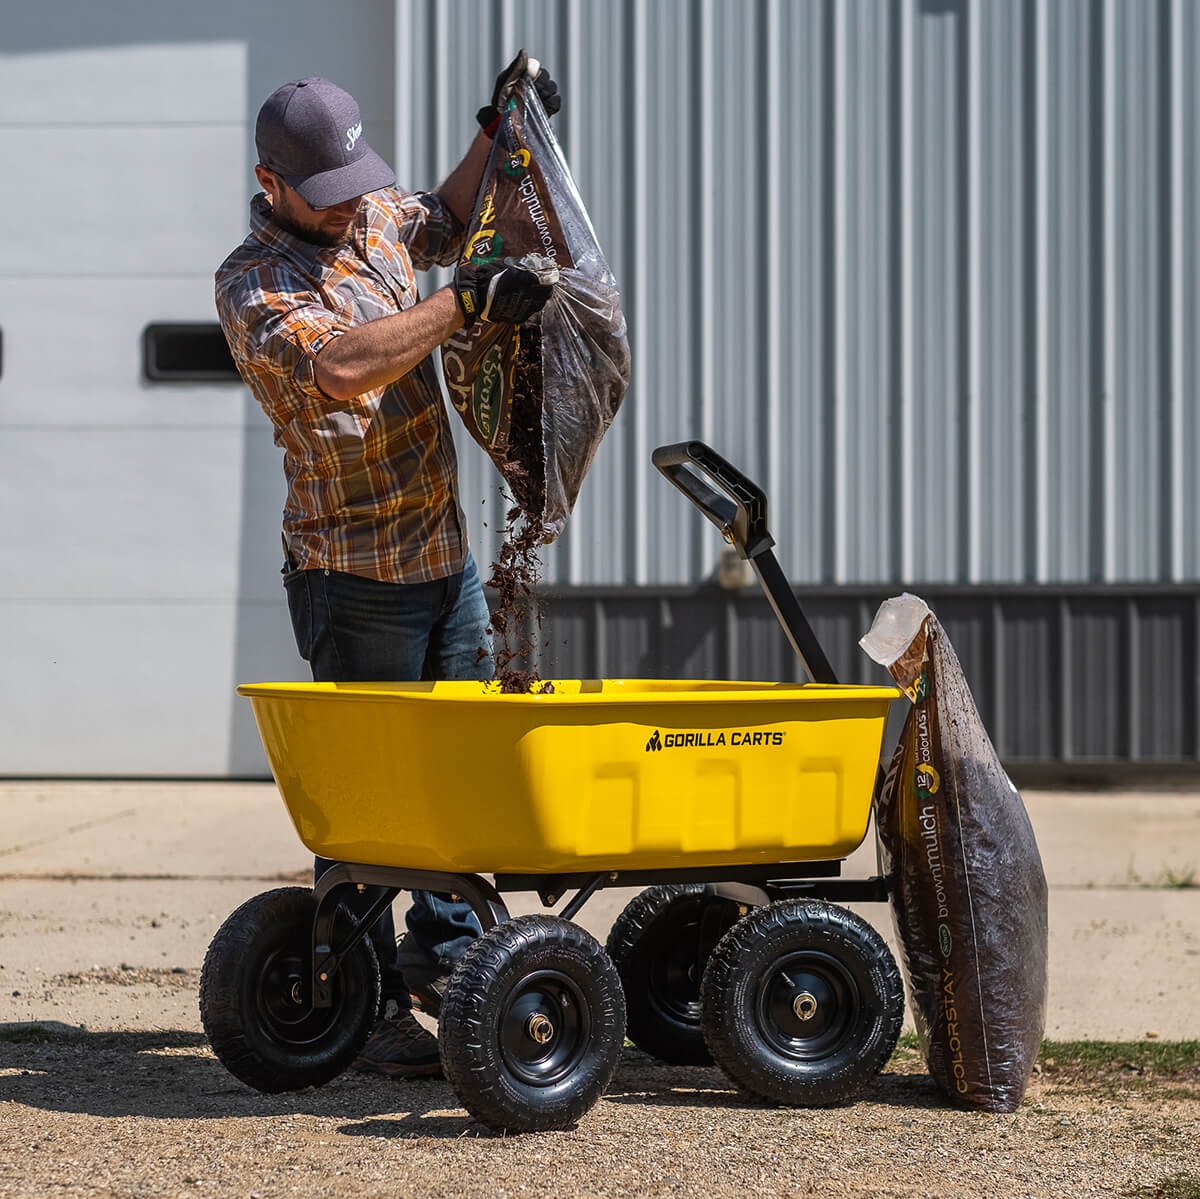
390	264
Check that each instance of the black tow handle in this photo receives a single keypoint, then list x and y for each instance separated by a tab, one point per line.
738	507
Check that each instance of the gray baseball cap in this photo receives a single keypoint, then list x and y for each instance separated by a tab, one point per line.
310	133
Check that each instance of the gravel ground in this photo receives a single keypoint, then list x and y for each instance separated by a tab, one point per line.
154	1114
110	894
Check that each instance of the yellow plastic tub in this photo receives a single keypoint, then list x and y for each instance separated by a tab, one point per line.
603	774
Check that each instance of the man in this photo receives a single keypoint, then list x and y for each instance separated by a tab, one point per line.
320	308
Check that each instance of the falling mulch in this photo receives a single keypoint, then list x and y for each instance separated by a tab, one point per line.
518	568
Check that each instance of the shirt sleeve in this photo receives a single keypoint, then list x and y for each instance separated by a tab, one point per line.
432	233
275	332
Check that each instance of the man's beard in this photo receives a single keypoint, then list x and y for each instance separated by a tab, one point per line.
317	237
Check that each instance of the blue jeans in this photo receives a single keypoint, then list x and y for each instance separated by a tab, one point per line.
350	628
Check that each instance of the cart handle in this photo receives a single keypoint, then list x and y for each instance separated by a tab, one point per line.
738	509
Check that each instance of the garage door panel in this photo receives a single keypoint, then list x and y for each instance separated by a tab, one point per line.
138	513
137	689
73	355
91	62
120	200
134	84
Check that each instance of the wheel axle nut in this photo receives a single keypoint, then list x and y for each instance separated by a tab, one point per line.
805	1006
540	1028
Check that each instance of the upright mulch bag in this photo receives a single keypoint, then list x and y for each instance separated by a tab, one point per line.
967	888
539	397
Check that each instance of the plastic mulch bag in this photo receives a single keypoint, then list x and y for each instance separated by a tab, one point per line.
967	889
539	397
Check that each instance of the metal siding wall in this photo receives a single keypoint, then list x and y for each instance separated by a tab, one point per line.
1183	493
925	269
854	422
1059	674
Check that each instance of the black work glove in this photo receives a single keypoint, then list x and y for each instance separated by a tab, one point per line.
501	292
489	115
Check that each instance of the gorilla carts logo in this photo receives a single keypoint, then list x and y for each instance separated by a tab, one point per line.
734	739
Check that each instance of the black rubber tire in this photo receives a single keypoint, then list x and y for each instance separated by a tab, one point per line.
753	996
254	991
523	969
655	944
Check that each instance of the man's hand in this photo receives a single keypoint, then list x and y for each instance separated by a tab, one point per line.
520	67
502	292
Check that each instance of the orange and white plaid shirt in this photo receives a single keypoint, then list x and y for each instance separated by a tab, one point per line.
372	481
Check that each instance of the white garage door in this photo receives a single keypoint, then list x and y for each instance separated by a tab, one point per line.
139	539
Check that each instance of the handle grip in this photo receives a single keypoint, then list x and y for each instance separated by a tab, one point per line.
737	506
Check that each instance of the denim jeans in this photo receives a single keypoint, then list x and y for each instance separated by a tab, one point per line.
350	628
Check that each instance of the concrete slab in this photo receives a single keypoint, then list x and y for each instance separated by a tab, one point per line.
218	830
111	892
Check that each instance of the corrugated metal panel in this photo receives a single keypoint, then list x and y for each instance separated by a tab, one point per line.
925	269
1059	674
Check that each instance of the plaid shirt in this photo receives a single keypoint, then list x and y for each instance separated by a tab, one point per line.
372	481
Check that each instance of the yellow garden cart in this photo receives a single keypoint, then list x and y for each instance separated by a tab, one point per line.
733	802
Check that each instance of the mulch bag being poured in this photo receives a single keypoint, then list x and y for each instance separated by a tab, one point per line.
540	396
967	888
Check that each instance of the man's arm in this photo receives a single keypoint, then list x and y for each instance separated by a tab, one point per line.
458	190
461	185
384	350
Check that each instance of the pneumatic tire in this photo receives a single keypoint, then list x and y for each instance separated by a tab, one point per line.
658	947
256	991
802	1003
532	1025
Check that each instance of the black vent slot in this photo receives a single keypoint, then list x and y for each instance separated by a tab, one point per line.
192	353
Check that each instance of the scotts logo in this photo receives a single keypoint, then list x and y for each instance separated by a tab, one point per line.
736	739
944	940
517	163
919	691
485	395
486	243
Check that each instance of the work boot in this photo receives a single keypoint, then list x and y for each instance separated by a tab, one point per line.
425	976
400	1048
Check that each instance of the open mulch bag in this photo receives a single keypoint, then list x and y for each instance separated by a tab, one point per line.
539	397
967	888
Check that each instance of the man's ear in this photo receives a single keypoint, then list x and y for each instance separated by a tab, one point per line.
267	180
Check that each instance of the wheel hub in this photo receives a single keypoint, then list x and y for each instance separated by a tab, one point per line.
284	1010
805	1005
674	988
540	1028
545	1028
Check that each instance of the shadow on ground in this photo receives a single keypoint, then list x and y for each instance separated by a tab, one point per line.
171	1074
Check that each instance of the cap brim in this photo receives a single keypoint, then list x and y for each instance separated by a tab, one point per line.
365	174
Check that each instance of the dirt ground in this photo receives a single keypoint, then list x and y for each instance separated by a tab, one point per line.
154	1114
109	895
